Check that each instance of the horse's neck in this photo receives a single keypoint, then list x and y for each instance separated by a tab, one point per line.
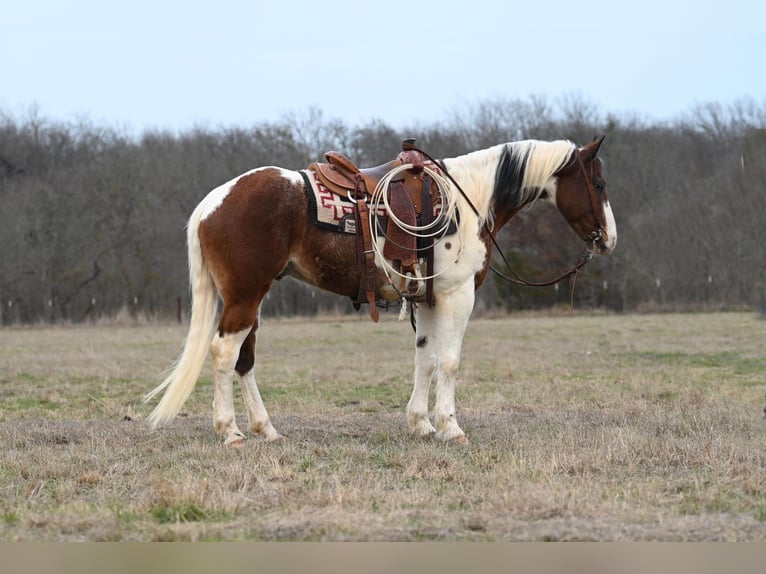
526	169
475	172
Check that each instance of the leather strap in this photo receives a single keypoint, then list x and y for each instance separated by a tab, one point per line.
365	253
598	231
427	245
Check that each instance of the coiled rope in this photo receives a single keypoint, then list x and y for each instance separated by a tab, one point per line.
437	228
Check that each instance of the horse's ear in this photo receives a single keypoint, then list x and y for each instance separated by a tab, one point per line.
592	148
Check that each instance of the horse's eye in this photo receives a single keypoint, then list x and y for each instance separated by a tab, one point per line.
598	186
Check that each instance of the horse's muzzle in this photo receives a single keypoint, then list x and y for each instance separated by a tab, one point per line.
600	243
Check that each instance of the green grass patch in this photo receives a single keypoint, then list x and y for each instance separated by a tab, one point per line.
183	511
738	361
11	518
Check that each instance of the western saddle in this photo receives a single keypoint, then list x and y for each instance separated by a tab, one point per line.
411	197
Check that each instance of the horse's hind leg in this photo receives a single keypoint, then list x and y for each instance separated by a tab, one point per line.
234	328
224	351
256	411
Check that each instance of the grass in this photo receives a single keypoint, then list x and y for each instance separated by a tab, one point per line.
591	427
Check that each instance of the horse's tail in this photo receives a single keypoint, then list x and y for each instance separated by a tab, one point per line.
182	377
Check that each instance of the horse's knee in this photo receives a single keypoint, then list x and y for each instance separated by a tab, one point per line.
448	365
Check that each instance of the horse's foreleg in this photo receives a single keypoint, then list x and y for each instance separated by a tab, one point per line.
224	350
425	366
451	320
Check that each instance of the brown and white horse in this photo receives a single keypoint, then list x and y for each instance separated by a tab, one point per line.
256	228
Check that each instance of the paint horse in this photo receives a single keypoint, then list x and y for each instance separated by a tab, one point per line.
254	229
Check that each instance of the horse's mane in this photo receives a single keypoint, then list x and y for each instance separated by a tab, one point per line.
512	174
525	169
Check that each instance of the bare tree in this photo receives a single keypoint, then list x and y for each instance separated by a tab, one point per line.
92	220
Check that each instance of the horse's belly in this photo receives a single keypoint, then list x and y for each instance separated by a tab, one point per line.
328	261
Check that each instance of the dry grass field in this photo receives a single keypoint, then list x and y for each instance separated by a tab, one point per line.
589	427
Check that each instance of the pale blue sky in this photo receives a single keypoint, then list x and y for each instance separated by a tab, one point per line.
172	65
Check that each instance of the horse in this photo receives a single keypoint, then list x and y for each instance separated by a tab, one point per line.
255	229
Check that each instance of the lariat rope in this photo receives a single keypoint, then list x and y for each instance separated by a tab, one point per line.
437	228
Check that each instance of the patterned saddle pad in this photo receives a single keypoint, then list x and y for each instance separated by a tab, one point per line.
335	212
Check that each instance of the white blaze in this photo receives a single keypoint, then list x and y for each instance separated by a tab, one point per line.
611	227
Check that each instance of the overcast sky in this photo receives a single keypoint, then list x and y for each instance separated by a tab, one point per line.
172	65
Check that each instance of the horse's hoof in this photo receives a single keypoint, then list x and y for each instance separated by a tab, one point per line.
268	434
237	440
424	430
459	439
456	439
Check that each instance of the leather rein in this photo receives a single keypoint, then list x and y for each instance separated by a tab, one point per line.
516	279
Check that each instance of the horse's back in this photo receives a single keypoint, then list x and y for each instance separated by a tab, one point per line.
255	190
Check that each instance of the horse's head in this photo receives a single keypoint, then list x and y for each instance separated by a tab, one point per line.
582	200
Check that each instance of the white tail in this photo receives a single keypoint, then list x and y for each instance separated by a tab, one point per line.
179	384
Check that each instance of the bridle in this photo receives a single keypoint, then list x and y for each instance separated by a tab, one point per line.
516	279
598	232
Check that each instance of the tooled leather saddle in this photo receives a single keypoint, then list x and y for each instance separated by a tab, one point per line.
411	197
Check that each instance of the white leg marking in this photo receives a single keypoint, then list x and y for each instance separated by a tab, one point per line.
425	367
438	344
450	324
256	410
225	351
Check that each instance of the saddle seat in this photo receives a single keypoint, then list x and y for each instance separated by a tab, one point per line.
339	174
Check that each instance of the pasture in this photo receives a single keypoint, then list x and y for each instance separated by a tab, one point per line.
584	427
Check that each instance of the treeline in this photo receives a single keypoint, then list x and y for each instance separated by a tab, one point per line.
92	220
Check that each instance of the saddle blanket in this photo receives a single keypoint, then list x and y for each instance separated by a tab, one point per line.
335	212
